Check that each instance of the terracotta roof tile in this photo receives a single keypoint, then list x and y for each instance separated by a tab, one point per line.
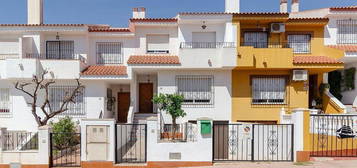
204	13
153	20
344	8
103	70
263	14
315	60
308	19
38	25
153	59
94	29
346	48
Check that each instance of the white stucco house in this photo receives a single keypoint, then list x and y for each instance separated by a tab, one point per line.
341	33
121	68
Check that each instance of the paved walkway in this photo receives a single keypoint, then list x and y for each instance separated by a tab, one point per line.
315	164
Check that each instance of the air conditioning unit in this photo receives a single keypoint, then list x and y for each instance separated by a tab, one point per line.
299	75
277	27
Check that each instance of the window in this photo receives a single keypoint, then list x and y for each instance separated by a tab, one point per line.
60	50
4	101
268	90
300	43
256	39
109	53
196	89
158	43
57	95
347	31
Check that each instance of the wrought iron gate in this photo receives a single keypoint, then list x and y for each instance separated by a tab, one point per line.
65	149
130	143
333	135
253	142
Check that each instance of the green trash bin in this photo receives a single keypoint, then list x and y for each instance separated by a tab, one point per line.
206	127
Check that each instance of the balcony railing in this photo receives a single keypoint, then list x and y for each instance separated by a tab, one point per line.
19	141
56	56
298	47
207	45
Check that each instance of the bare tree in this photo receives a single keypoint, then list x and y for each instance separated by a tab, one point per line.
38	84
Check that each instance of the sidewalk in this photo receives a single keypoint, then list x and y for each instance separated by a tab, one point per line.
315	164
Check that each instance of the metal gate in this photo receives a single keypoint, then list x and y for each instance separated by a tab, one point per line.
65	150
333	135
130	143
253	142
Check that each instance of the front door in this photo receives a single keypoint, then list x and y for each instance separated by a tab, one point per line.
313	89
123	107
145	97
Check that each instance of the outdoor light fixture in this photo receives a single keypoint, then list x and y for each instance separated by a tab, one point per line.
204	26
57	36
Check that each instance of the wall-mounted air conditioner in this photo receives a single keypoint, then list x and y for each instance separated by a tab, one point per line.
300	75
277	27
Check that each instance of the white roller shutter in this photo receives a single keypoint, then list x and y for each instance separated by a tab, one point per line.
158	43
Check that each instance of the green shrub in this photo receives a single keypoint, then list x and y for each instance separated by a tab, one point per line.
64	133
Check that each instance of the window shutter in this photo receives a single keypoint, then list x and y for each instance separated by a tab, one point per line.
158	43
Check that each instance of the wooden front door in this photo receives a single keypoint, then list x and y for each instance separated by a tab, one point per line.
145	97
313	89
123	107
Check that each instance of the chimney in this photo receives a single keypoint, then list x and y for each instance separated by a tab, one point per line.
232	6
283	6
34	11
139	13
295	6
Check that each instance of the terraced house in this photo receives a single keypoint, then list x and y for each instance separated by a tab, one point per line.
281	64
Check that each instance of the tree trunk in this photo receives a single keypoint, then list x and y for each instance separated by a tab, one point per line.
173	128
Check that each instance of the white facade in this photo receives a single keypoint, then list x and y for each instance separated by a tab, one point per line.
25	51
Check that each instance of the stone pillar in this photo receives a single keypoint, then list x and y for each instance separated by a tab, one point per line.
301	121
44	144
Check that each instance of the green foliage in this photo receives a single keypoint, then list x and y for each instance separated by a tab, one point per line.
171	103
349	78
334	79
64	133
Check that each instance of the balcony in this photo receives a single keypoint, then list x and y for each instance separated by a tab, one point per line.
61	67
208	54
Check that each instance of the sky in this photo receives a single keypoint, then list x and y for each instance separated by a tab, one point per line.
117	12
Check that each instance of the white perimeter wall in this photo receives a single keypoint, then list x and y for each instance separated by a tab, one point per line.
221	110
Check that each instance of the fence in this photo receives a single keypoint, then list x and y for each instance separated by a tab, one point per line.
19	141
56	56
191	45
185	132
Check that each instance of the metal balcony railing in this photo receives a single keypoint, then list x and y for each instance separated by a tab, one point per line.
298	47
191	45
56	56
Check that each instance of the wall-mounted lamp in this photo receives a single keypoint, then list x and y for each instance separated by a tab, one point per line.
57	36
204	26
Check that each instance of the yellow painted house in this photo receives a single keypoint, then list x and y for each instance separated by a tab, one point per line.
281	64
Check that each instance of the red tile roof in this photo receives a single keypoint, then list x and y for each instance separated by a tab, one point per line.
344	8
308	19
103	70
263	14
153	20
315	60
346	48
153	59
204	13
109	29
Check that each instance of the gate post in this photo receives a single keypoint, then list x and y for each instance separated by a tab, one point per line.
301	120
44	144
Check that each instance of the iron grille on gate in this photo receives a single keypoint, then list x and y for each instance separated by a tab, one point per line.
65	149
333	135
131	143
253	142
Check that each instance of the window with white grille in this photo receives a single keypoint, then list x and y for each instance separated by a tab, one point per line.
347	31
57	95
196	89
256	39
4	101
158	43
269	90
109	53
300	43
60	50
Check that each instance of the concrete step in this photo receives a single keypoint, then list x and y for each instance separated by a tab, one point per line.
140	118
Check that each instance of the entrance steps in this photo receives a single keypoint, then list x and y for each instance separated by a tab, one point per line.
350	109
140	118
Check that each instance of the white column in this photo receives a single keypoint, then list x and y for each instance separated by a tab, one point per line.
298	121
44	144
2	132
152	138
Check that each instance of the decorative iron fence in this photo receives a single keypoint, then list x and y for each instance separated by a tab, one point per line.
186	132
253	142
333	135
130	143
56	56
298	47
65	149
188	45
19	141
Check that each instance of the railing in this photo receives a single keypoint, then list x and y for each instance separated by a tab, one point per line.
56	56
9	56
185	132
19	141
298	47
191	45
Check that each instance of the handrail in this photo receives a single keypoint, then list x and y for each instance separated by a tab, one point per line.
335	102
56	56
193	45
130	117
